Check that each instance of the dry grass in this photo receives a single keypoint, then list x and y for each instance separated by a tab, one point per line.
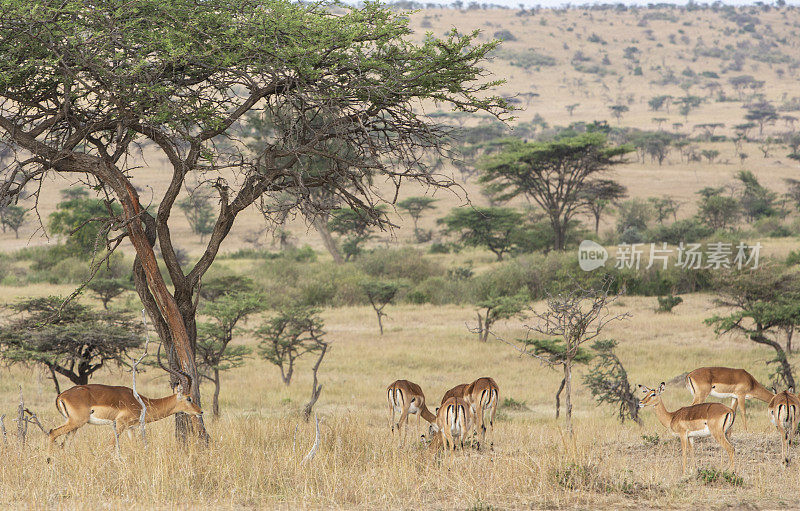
260	440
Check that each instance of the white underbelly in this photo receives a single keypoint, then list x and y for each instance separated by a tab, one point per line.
700	433
714	393
94	421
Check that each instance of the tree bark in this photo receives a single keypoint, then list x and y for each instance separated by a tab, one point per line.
568	394
54	377
558	398
216	393
327	239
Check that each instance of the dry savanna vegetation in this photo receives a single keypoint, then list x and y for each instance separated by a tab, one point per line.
329	286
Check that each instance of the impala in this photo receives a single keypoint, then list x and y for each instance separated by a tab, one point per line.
103	404
783	412
737	384
406	398
482	395
453	421
690	422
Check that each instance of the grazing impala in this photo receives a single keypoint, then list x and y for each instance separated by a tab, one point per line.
690	422
453	421
406	398
482	395
783	412
103	404
724	382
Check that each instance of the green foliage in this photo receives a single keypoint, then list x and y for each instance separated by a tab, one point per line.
688	230
72	340
199	212
496	308
555	350
634	213
712	475
757	201
108	288
287	336
355	225
526	59
416	206
667	303
716	210
608	381
552	174
13	217
509	403
88	218
493	228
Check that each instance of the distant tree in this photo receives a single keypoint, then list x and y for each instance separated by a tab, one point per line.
659	121
73	341
355	226
608	382
380	293
493	228
617	111
743	128
553	174
710	154
108	288
214	352
497	308
793	192
600	194
687	104
716	210
761	112
86	222
764	301
416	206
571	108
667	303
664	207
657	102
13	217
634	213
709	128
199	212
293	332
756	200
574	318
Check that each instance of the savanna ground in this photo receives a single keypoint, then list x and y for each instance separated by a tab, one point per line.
260	440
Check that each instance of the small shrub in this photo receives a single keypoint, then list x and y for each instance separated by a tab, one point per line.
667	303
712	476
505	35
651	440
510	403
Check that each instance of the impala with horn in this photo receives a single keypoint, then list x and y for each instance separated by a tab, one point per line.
102	405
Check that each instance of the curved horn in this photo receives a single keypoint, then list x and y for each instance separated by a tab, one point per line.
181	375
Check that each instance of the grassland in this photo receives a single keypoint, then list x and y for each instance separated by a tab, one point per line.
258	443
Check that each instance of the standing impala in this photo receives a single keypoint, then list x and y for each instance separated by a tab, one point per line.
453	421
406	398
737	384
690	422
103	404
783	412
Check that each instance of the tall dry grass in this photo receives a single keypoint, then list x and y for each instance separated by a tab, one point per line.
258	443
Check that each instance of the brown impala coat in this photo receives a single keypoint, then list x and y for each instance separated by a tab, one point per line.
784	411
724	382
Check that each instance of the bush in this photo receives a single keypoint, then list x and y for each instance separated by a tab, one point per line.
402	263
667	303
772	227
686	231
505	35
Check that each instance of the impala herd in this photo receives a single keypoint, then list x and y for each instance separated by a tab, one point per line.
465	407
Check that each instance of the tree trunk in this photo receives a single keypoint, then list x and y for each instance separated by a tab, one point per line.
216	393
558	398
789	334
568	394
480	326
316	389
54	377
596	223
380	322
786	367
327	239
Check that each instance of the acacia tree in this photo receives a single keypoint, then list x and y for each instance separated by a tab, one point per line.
72	341
416	206
599	195
13	217
765	302
553	174
493	228
81	85
575	317
290	334
380	293
214	352
496	308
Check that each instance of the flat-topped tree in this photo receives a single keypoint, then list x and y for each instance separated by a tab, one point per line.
82	84
554	174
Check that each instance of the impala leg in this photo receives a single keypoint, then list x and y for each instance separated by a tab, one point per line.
740	401
68	427
491	424
692	459
722	438
684	448
401	424
785	447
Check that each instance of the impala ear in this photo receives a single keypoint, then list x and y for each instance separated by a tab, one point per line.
791	390
774	390
179	389
662	387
